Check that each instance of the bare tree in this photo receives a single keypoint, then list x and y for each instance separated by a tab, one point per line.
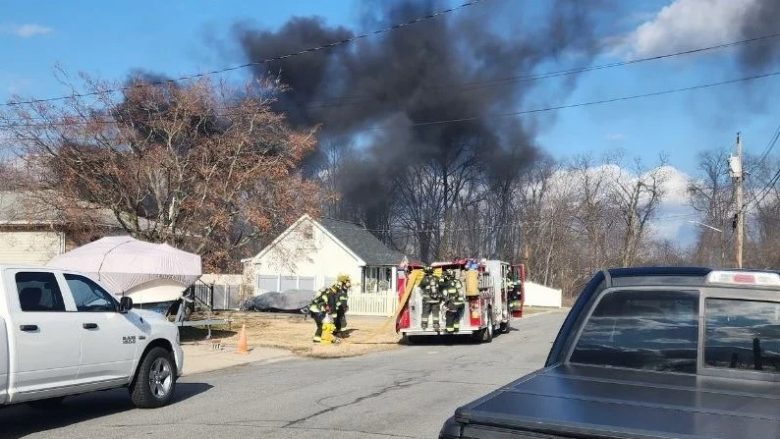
764	214
188	164
637	199
711	193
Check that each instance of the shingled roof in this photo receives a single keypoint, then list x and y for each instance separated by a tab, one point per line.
362	242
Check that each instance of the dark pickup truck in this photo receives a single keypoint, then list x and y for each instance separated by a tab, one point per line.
649	353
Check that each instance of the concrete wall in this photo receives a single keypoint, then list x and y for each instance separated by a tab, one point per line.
30	247
306	251
540	295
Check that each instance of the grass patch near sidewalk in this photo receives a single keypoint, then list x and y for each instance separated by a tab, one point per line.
364	334
293	332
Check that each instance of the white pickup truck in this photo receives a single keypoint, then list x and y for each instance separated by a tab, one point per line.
63	334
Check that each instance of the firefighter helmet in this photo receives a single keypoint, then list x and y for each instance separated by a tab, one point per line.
343	281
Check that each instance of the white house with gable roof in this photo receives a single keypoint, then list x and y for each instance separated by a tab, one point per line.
311	253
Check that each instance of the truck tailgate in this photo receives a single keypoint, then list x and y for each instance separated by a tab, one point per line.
587	402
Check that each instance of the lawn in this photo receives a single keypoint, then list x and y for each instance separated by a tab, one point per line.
294	332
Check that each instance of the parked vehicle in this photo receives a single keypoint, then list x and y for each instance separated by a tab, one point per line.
649	353
488	300
62	333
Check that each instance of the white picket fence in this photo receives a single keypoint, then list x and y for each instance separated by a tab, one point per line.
373	304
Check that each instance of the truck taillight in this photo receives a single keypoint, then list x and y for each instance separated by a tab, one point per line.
475	313
404	319
756	278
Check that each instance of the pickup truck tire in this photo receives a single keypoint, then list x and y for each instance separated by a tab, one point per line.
47	404
155	379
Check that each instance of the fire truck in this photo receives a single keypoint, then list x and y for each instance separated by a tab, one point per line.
493	293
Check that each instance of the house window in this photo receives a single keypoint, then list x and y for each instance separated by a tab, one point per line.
376	279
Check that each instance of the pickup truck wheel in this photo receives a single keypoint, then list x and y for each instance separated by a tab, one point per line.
155	380
46	404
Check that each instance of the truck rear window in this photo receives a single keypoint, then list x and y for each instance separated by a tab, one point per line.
39	292
652	330
742	334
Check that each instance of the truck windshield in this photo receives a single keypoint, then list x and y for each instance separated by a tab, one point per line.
742	334
652	330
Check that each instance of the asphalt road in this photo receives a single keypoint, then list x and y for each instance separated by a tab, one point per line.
405	393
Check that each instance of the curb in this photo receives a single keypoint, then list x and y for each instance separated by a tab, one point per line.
243	363
544	313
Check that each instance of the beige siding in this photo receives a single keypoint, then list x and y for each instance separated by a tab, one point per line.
306	251
36	248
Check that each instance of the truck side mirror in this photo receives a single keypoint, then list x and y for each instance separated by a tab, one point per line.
125	304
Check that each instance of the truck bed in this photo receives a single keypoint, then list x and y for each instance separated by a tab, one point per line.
596	402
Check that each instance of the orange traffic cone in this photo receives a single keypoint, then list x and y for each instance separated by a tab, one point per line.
242	344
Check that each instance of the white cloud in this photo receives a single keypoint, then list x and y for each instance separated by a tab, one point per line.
675	185
25	30
687	24
674	212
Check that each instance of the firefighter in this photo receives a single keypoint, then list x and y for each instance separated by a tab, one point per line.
340	302
515	294
431	298
319	307
454	301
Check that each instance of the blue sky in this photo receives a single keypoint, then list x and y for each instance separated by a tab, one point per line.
110	39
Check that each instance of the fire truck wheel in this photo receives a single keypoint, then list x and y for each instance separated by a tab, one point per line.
487	333
505	327
410	339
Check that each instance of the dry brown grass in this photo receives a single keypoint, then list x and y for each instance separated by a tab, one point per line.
292	332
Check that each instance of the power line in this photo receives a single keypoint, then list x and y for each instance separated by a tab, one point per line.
770	145
330	45
465	86
602	101
495	115
767	189
773	181
409	231
459	87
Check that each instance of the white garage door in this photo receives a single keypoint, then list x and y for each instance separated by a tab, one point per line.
35	248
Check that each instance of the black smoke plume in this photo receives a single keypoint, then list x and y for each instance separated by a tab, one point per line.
761	18
378	92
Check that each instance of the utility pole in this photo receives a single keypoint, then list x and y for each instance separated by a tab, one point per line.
737	176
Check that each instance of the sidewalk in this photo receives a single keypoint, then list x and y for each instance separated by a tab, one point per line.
200	357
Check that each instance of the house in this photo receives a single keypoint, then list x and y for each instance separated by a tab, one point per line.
32	230
311	253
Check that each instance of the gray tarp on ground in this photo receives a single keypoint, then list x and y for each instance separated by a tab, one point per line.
289	300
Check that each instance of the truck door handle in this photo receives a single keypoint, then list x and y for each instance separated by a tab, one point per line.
29	328
90	325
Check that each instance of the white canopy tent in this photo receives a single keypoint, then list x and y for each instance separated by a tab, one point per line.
146	272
